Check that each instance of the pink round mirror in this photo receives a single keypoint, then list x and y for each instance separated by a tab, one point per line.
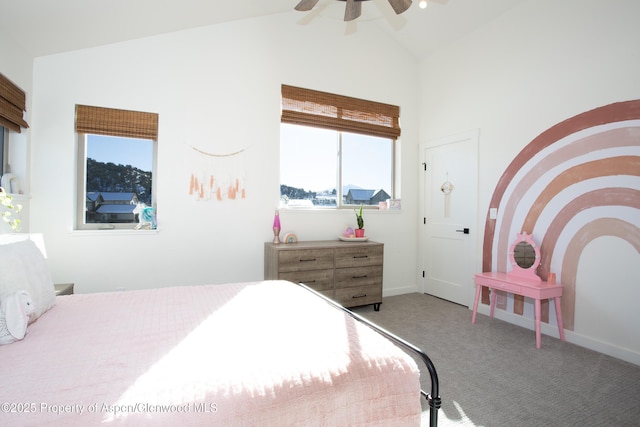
525	258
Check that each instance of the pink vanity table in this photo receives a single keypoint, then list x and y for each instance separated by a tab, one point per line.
521	280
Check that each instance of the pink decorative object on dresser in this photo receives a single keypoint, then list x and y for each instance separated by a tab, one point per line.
276	227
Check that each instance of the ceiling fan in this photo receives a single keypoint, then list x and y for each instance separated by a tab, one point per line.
354	7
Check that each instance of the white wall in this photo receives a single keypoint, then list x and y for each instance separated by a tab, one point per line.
217	88
539	64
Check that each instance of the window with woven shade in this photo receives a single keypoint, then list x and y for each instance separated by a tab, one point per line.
341	113
114	122
116	164
13	105
336	151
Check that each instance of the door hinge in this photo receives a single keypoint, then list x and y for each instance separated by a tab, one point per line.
424	220
423	274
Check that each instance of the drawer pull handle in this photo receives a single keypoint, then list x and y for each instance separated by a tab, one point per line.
360	256
308	260
359	296
358	277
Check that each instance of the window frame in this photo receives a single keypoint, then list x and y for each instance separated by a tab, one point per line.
394	146
4	150
13	103
103	121
81	181
342	114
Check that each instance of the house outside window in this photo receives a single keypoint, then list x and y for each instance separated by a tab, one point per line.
336	151
116	162
111	207
366	197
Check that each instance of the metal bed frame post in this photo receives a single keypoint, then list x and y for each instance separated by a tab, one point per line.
433	399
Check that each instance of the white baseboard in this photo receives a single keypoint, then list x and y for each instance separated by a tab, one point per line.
399	291
609	349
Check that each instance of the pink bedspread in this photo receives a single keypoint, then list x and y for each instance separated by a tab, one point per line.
252	354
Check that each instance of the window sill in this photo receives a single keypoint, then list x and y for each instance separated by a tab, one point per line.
373	210
18	196
112	232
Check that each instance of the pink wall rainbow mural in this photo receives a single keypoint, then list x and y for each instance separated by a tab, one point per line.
575	182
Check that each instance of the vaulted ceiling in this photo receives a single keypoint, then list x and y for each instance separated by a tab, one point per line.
44	27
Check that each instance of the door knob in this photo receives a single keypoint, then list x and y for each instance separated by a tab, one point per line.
464	230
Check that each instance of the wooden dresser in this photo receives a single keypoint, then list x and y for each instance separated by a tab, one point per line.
347	272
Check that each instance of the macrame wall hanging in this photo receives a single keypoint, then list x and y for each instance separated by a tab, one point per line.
216	176
447	188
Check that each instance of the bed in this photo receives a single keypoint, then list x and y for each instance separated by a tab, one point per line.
269	353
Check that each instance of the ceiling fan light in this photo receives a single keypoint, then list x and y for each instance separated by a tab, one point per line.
423	4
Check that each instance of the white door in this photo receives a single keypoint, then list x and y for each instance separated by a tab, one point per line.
450	231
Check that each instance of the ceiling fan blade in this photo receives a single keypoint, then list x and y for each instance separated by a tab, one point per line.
400	6
353	10
305	5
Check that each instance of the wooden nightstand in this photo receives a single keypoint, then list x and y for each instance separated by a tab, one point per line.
63	288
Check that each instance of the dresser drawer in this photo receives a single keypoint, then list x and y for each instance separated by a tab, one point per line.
319	280
358	276
359	256
359	295
305	259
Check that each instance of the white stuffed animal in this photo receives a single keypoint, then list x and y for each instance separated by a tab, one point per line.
16	311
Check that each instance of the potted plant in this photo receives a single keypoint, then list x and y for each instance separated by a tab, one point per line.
360	230
6	203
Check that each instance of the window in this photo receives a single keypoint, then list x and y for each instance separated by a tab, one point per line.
336	151
116	162
3	151
12	107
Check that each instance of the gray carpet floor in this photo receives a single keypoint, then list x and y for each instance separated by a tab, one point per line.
491	373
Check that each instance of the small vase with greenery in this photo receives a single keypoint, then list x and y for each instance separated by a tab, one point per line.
360	230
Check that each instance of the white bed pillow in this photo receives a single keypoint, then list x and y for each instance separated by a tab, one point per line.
23	267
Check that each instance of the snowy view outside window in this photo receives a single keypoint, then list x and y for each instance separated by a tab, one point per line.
327	168
118	177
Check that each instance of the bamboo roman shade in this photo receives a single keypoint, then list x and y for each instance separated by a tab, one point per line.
110	121
12	105
342	113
